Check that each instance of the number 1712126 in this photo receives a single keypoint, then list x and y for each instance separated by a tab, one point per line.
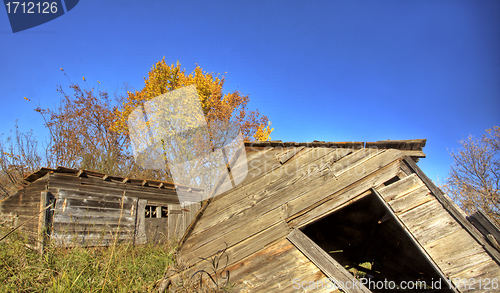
31	7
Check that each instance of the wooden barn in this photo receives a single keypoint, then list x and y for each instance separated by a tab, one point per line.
80	207
307	213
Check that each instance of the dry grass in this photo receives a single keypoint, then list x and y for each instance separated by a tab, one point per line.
118	268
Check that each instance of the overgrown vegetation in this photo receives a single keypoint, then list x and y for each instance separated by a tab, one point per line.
120	268
116	268
88	129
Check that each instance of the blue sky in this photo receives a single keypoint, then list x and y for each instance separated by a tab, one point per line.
320	70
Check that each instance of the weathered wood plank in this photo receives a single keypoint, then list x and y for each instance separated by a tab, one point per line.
414	154
275	182
320	189
482	271
401	187
201	245
343	197
256	270
94	219
411	200
174	222
324	261
284	280
256	242
456	252
190	212
140	227
485	224
262	163
429	222
454	210
90	240
58	226
289	154
308	278
101	203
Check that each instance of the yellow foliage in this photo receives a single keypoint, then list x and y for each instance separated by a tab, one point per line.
263	133
229	107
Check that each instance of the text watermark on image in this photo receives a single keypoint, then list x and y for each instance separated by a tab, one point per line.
171	130
459	283
27	14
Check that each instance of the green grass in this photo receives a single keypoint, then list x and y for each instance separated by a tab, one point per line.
120	268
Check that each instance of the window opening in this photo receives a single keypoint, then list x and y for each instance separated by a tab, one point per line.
152	211
370	243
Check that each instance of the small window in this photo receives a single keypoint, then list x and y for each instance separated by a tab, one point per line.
156	212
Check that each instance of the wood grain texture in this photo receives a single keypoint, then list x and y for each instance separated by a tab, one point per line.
454	211
329	266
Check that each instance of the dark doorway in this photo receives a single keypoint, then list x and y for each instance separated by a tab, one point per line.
370	243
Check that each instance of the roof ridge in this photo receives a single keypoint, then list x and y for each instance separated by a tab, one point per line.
410	144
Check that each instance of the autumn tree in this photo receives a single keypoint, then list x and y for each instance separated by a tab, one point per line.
19	157
157	118
88	129
217	106
80	134
475	174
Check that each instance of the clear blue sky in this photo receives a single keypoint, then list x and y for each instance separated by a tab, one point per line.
320	70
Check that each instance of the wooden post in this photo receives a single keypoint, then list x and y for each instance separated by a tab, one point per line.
44	219
140	226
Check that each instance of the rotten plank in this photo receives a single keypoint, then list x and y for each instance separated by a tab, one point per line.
329	266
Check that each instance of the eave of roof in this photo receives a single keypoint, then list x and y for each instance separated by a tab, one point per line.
85	173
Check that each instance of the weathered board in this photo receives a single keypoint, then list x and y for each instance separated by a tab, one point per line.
453	249
179	219
93	219
24	206
325	262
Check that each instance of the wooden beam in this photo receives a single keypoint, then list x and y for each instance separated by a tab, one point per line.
125	180
104	177
413	240
329	266
80	173
414	154
484	224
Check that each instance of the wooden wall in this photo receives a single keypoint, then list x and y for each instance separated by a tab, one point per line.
173	226
278	195
451	247
282	192
93	219
26	205
92	208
